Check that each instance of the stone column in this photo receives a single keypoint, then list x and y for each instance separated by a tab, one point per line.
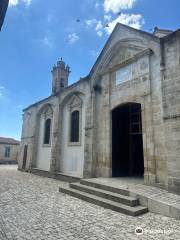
148	143
55	142
101	130
88	139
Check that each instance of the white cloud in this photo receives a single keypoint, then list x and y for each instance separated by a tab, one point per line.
97	5
20	106
99	26
16	2
72	38
47	41
13	2
96	25
99	33
91	22
49	18
111	8
117	5
2	88
27	2
107	17
132	20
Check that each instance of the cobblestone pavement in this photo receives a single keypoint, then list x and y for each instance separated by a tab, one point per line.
32	208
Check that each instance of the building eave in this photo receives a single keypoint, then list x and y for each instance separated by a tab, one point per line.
57	94
78	82
39	102
171	35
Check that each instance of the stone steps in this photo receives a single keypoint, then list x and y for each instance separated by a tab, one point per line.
105	187
105	197
130	201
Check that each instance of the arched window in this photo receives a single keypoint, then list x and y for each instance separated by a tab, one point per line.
47	131
74	136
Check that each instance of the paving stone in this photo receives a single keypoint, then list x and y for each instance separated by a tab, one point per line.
32	208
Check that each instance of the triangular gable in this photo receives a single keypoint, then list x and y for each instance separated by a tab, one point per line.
112	41
75	101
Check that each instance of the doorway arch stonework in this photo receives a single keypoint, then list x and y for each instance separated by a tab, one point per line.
147	135
127	143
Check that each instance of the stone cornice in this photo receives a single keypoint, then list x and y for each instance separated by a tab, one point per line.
137	56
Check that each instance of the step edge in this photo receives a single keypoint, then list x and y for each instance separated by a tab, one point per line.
115	204
104	191
112	189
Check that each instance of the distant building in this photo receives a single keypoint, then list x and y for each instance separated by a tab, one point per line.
9	149
122	119
3	9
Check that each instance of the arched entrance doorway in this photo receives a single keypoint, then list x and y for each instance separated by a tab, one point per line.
127	142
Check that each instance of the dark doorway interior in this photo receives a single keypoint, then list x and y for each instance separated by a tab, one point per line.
25	157
127	143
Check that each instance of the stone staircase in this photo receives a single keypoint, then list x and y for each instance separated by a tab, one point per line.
105	196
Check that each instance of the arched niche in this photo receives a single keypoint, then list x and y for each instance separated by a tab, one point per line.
44	137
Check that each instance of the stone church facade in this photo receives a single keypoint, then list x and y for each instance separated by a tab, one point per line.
122	119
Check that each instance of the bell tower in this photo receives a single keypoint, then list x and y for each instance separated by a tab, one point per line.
60	74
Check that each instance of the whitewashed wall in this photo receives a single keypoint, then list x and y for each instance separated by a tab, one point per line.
43	152
72	156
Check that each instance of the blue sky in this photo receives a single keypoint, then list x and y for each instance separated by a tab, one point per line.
36	33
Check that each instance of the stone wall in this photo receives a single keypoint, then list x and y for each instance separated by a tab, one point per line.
154	82
69	155
144	88
14	151
171	109
30	129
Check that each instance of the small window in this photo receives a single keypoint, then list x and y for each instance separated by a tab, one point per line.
47	131
74	136
7	152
